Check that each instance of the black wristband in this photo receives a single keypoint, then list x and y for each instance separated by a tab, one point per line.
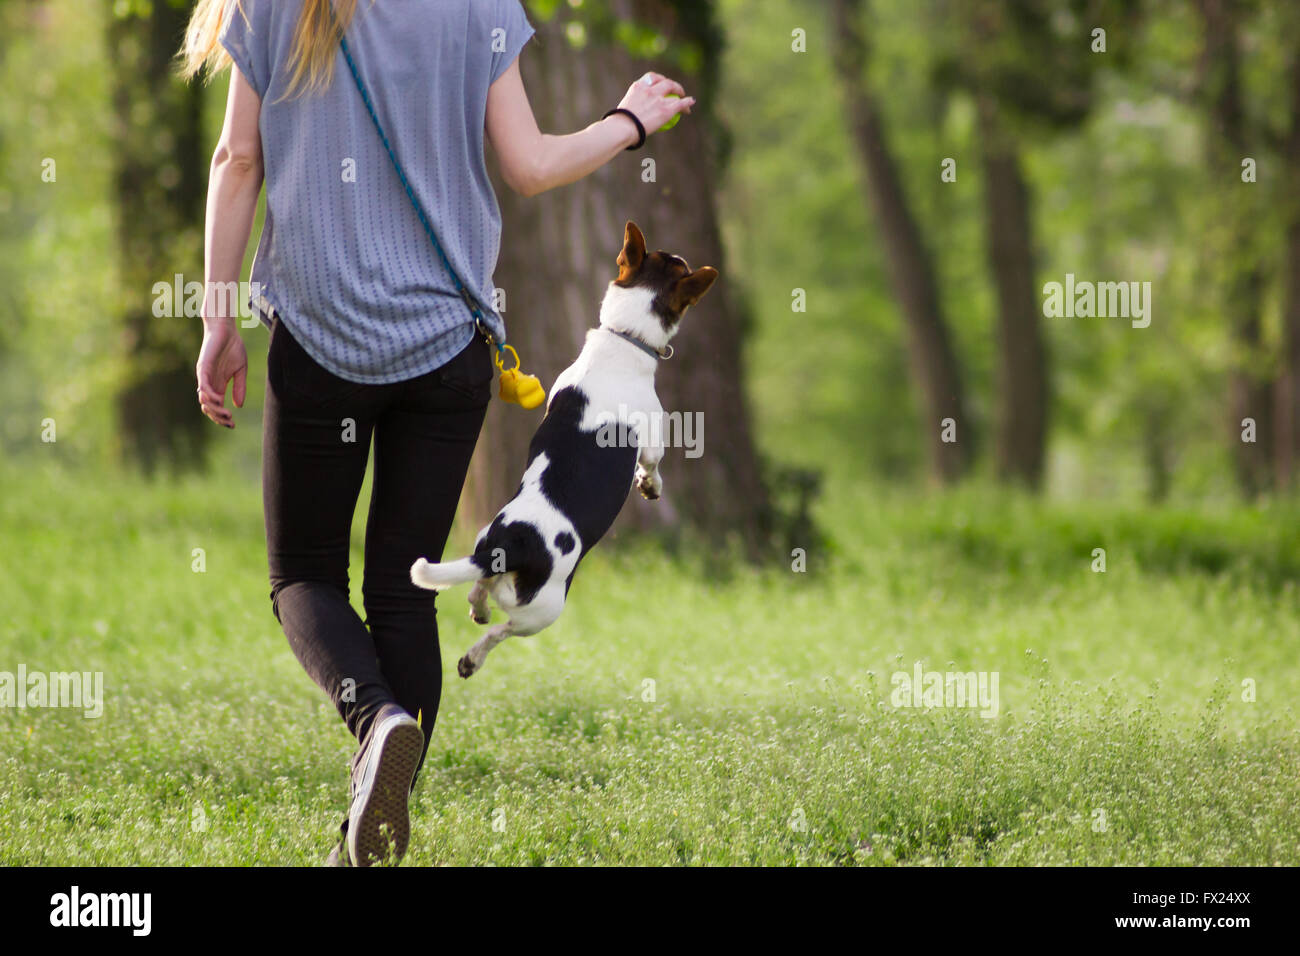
632	116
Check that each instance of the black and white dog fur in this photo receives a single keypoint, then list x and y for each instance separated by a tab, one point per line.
575	485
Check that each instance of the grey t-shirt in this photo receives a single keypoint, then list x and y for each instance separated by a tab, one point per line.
343	258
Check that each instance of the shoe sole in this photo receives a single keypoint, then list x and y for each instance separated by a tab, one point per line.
384	814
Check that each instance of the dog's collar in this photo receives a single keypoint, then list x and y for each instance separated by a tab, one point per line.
666	354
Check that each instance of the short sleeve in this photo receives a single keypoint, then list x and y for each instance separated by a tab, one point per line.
246	37
510	31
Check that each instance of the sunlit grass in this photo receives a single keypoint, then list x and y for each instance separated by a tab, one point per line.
674	715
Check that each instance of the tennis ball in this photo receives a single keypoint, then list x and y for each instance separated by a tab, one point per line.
672	122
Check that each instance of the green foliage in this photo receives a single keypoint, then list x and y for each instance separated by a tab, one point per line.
688	41
57	279
1119	194
796	216
1124	194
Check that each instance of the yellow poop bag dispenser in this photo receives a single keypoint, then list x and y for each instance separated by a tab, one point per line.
516	386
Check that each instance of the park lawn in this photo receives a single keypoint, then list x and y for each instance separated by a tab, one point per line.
682	711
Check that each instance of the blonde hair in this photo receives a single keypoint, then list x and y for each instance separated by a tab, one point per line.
311	59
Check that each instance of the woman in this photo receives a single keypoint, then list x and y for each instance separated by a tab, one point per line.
369	340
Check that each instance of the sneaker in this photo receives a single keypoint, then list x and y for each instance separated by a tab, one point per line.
339	855
379	823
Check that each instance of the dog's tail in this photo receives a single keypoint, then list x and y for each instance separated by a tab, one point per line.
437	577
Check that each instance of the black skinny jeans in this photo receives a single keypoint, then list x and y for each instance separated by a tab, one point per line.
317	431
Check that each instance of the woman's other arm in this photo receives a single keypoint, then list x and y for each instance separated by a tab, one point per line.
533	162
233	186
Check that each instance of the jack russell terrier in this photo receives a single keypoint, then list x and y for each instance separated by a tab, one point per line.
589	450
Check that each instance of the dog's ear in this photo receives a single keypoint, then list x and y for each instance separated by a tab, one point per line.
690	288
633	254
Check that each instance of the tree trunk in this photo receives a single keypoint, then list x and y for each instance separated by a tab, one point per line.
1288	407
1242	287
933	363
1022	355
558	255
160	184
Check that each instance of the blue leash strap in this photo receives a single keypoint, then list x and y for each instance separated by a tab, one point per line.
479	319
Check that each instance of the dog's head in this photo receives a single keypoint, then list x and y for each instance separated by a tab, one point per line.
662	281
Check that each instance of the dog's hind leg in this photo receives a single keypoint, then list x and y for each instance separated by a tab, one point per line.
525	619
479	612
473	660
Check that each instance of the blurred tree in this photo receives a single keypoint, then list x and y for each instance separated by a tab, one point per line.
558	252
1288	401
933	361
1238	269
998	56
161	180
794	218
1022	384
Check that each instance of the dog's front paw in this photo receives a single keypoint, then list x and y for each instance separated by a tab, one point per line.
650	486
465	667
479	616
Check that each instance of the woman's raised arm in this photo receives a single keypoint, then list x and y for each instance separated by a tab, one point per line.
532	161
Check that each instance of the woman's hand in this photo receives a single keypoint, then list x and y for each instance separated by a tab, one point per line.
533	162
221	359
648	99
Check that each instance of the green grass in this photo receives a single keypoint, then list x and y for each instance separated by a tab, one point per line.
770	739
